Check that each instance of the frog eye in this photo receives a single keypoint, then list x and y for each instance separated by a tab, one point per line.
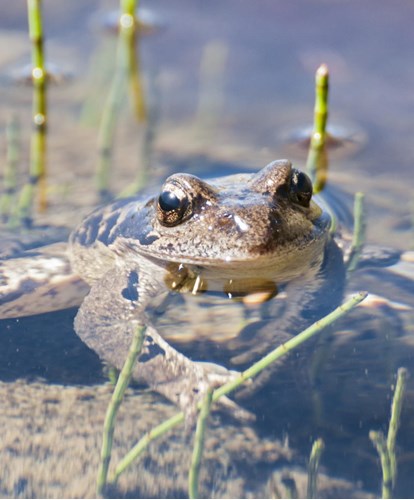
300	188
172	207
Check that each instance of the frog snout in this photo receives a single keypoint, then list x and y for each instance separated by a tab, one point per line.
229	220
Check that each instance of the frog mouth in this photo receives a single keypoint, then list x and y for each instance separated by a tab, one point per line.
282	266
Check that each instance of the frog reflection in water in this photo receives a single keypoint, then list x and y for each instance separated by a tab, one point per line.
241	234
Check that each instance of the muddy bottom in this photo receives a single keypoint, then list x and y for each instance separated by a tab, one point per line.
52	450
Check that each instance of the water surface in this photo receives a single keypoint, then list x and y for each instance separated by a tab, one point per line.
229	85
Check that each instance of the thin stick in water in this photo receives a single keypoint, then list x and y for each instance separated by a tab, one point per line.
317	162
37	178
395	421
314	460
113	407
127	69
380	444
358	237
129	25
386	447
199	445
10	170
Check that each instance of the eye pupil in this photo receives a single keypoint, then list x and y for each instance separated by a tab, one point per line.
168	201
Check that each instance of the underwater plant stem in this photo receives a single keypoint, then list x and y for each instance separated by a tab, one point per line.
10	170
395	421
107	130
199	445
314	459
135	82
37	179
142	444
213	65
254	370
113	407
114	98
317	162
380	444
386	446
358	237
127	69
145	156
291	344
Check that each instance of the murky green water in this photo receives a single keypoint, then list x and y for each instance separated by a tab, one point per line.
228	85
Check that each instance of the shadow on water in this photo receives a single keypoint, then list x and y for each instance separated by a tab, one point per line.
46	347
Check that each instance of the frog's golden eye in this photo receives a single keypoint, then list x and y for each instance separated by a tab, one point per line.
172	207
300	188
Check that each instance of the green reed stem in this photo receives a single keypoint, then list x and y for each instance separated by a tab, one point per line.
291	344
291	490
251	372
386	447
129	28
380	444
129	7
10	170
317	163
138	103
314	460
143	443
113	407
395	420
146	151
37	179
213	65
199	445
321	106
127	69
358	237
107	128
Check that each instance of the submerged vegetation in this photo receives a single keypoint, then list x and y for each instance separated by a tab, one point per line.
248	374
127	75
386	446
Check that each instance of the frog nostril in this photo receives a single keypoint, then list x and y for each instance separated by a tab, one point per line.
231	220
224	220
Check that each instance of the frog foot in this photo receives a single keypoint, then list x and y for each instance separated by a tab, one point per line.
107	320
217	376
181	380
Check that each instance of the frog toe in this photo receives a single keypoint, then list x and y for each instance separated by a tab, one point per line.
217	376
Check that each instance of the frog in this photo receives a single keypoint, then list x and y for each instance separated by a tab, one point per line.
251	237
193	236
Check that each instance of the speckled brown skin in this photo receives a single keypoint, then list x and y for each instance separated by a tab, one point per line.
262	226
230	222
